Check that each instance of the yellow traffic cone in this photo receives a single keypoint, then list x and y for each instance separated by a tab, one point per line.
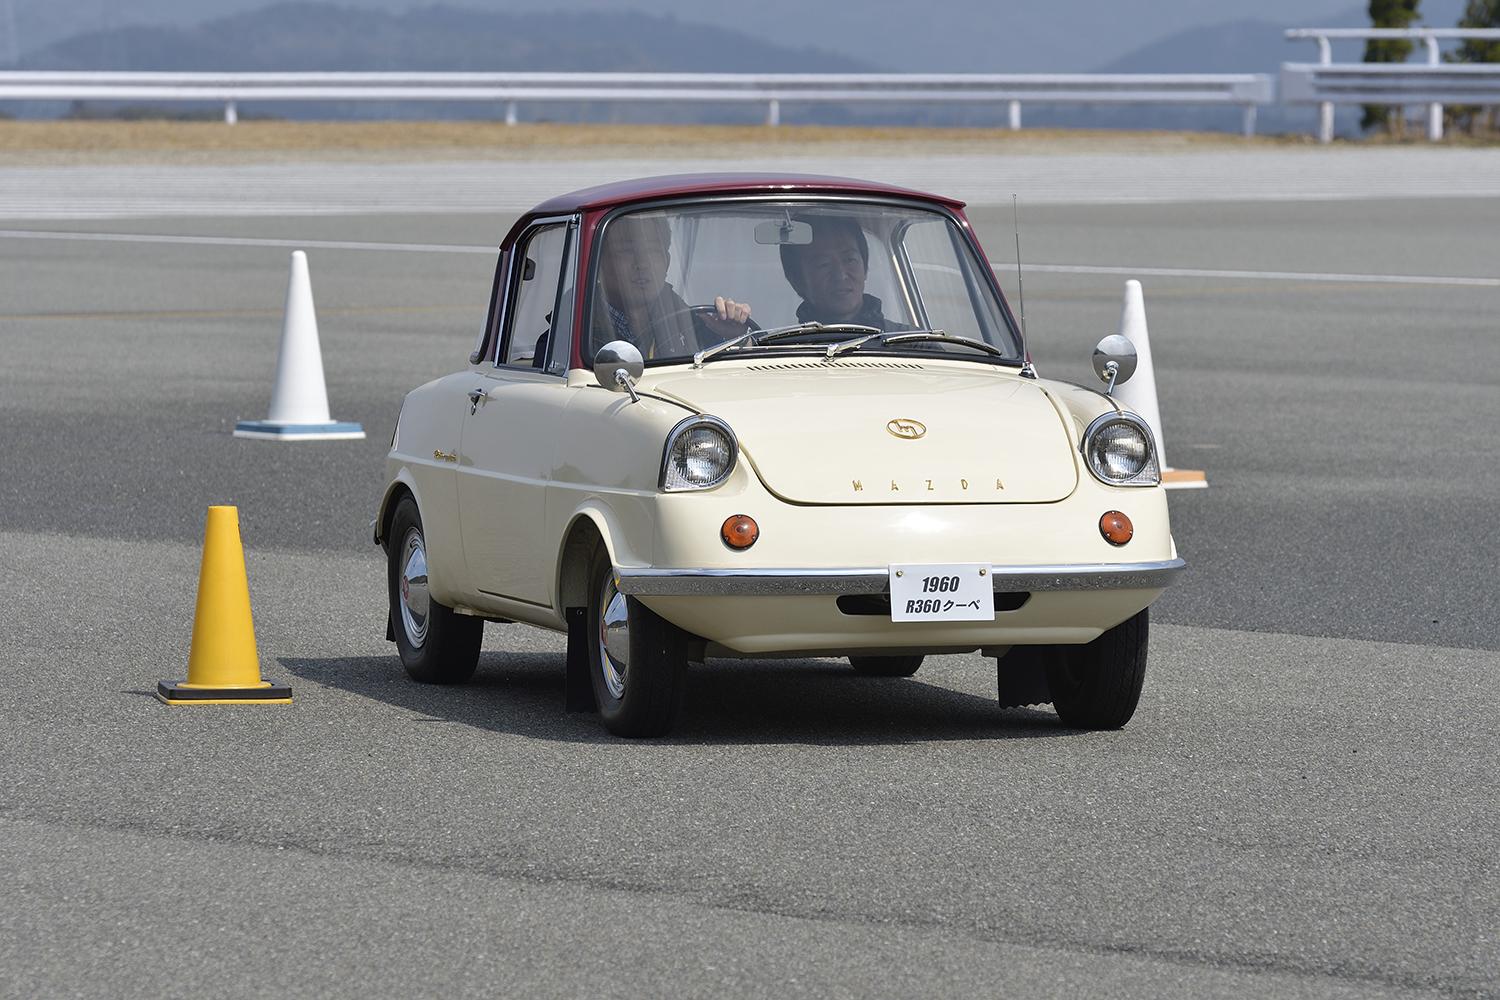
223	667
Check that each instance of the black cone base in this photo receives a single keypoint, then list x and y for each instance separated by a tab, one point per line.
176	694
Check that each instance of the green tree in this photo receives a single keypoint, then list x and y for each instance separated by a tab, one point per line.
1478	14
1388	14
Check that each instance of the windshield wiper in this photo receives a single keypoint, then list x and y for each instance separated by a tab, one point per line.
755	338
842	347
834	350
813	326
940	336
709	352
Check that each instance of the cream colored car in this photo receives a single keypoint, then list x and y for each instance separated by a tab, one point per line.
744	416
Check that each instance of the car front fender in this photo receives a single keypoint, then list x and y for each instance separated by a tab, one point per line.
592	523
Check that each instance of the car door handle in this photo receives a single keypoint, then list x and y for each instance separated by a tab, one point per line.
475	395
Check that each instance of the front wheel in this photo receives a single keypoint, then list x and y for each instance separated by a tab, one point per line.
637	659
437	645
1098	685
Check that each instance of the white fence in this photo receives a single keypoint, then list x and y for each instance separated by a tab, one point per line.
1324	83
1245	90
1434	84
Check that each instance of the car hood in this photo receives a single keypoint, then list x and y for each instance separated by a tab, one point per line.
886	431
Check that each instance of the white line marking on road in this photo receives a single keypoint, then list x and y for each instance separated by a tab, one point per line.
1318	276
1153	272
243	241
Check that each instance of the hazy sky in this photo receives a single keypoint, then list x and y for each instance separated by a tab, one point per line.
899	35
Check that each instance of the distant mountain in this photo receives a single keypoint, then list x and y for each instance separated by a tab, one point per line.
1248	46
811	36
1230	47
987	36
317	36
1260	46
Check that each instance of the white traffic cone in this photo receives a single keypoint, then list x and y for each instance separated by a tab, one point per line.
1139	394
299	403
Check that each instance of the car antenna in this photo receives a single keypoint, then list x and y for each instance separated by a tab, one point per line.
1027	369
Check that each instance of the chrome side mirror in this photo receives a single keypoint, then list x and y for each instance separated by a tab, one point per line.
1114	361
618	365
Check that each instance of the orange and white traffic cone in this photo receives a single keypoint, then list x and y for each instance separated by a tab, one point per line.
1139	394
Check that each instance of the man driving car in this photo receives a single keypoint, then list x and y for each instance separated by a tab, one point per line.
639	306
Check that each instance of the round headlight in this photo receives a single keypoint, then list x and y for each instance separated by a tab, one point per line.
1119	451
699	455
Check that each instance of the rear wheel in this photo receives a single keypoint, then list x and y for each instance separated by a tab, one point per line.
1098	685
437	645
885	666
638	659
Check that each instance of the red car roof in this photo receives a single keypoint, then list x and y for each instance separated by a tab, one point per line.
674	185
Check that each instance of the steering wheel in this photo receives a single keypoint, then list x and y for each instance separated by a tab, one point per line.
711	311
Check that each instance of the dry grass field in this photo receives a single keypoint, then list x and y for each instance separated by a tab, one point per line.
83	141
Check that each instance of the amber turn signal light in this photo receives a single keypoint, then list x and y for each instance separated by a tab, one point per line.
739	531
1116	527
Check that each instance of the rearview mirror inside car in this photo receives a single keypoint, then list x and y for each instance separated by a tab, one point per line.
775	234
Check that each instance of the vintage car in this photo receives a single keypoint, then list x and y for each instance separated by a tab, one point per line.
752	416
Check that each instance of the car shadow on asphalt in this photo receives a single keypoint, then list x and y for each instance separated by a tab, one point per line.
727	702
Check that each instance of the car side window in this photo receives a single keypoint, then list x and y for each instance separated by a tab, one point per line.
540	308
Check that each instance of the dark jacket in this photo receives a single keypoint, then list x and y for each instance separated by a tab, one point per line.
870	314
676	331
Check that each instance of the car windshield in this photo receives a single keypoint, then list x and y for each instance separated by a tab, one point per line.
677	282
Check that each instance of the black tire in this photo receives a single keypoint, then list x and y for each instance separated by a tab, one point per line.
643	696
885	666
443	646
1098	685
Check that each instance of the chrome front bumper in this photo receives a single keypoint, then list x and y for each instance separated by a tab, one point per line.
653	582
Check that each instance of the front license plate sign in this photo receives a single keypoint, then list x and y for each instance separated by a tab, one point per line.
947	592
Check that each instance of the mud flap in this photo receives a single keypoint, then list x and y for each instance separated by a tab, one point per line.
390	628
580	683
1022	676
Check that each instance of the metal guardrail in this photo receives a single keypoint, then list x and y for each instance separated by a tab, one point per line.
1434	84
1323	83
1374	83
1246	90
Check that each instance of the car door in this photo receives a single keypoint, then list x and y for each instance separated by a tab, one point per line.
508	441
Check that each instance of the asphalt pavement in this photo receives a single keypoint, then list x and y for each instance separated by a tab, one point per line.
1304	805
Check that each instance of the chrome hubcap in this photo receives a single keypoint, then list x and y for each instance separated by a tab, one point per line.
412	587
614	637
